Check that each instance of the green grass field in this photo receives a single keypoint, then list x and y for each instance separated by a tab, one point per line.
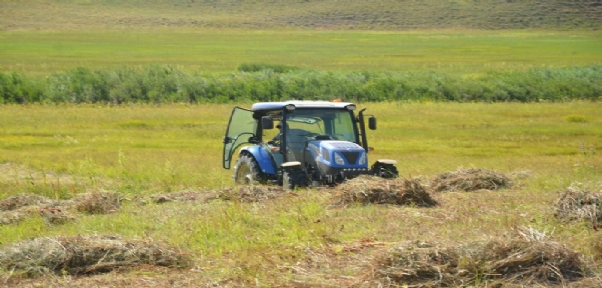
116	142
40	53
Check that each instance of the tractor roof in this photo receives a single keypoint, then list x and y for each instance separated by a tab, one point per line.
271	106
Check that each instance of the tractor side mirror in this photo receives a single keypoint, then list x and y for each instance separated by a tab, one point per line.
267	122
372	123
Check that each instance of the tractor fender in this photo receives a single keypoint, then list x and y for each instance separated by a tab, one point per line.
262	157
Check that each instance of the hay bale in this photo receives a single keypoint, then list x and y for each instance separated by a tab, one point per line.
86	255
17	201
469	180
520	259
376	190
576	204
100	202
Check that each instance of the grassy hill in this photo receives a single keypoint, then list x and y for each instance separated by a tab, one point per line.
302	14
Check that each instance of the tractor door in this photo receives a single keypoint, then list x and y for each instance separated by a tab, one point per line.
241	129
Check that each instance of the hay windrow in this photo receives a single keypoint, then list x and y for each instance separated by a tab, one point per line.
86	255
56	216
576	204
516	259
376	190
17	201
184	196
100	202
11	217
253	193
469	180
17	208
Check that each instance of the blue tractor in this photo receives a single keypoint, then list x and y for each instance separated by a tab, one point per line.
319	143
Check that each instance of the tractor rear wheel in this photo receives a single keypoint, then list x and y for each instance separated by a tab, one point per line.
247	171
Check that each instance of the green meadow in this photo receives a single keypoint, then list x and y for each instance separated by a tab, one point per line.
153	148
39	53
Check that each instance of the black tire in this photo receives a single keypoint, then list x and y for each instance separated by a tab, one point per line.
293	178
247	171
385	171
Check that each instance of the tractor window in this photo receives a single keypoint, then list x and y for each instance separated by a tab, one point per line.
336	123
343	128
315	128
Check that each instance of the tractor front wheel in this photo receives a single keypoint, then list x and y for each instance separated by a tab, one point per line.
247	171
385	171
292	178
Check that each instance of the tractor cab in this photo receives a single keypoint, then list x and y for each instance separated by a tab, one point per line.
316	143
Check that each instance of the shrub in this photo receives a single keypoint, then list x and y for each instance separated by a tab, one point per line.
263	82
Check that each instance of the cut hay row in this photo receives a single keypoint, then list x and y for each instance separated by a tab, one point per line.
86	255
376	190
576	204
18	207
517	259
17	201
254	193
469	180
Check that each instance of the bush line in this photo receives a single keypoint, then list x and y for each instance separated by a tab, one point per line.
257	82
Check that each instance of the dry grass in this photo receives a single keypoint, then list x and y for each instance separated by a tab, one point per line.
376	190
18	201
183	196
576	204
100	202
527	258
86	255
55	216
256	193
469	180
17	208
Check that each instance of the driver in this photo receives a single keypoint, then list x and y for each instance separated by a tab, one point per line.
276	140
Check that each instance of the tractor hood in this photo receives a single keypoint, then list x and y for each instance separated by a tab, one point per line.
340	154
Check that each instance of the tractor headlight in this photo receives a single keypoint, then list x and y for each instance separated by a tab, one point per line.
339	159
363	159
